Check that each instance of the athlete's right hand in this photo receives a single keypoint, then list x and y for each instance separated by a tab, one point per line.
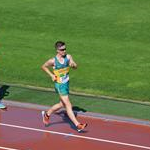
54	78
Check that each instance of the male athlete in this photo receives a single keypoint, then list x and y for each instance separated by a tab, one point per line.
60	75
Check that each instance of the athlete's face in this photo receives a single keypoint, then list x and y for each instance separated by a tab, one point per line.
62	50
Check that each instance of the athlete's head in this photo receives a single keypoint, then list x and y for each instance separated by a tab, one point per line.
60	47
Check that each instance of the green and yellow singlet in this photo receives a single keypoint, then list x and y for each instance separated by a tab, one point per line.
61	71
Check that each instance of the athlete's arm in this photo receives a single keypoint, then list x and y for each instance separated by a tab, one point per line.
72	63
45	67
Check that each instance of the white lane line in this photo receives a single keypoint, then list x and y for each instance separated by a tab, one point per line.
76	136
7	148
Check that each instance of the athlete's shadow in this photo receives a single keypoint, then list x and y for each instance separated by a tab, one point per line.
78	109
65	118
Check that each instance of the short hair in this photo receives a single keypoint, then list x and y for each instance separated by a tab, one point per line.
58	44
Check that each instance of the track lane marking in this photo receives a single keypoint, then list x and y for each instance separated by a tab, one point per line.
74	135
6	148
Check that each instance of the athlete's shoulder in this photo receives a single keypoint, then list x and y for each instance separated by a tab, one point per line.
51	59
50	62
69	56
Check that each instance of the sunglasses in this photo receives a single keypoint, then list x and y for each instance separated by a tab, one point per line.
62	49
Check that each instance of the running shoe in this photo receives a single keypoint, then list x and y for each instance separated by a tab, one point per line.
3	107
45	118
81	127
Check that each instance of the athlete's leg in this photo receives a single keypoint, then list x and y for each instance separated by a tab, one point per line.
46	114
55	108
65	100
63	90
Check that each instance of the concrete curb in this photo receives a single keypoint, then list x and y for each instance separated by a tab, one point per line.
83	114
76	93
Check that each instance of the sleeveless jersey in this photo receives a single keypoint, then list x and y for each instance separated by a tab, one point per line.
61	71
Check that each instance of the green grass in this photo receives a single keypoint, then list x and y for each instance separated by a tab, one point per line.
109	39
104	106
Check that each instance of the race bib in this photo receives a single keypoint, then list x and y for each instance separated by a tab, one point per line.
64	79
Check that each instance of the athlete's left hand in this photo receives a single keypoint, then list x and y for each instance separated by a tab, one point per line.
73	65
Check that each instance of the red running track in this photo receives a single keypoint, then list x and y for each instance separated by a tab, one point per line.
22	129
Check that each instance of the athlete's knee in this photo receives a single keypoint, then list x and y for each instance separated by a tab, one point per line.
68	104
65	100
61	104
